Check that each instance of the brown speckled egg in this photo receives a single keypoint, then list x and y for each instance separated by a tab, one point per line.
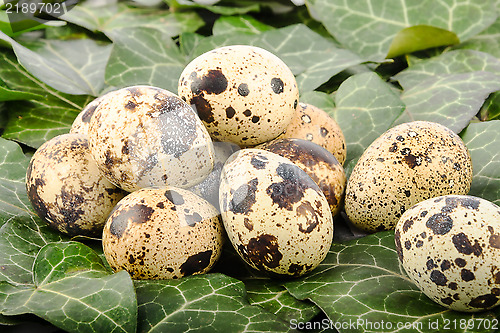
82	121
208	189
66	188
275	215
313	124
145	136
449	246
407	164
318	163
163	233
243	94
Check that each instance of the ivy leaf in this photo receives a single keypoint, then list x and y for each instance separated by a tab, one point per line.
366	107
72	67
210	302
216	7
13	199
453	62
320	100
36	121
368	28
144	56
115	16
239	24
102	302
482	140
487	41
7	94
311	57
361	282
420	37
450	99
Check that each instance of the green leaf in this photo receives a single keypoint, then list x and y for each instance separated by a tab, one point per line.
239	24
482	140
222	8
311	57
7	94
361	282
129	64
211	302
491	108
487	41
117	16
319	99
13	199
366	107
100	303
449	99
420	37
368	27
453	62
36	121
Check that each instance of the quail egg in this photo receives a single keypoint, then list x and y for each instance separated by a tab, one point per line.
208	189
275	215
145	136
313	124
407	164
318	163
66	189
163	233
449	246
243	94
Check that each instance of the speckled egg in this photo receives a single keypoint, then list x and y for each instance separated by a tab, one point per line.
243	94
275	215
145	136
449	246
313	124
66	188
163	233
208	189
407	164
318	163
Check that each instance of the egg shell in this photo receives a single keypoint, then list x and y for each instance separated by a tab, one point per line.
318	163
449	246
407	164
163	233
275	215
146	136
313	124
66	188
243	94
208	189
81	123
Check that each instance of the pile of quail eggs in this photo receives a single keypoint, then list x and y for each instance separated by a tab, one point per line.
165	179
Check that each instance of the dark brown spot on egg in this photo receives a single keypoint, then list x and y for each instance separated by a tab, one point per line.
407	225
296	269
243	89
191	220
277	85
255	119
248	224
259	161
467	275
397	240
262	250
174	197
447	300
393	148
247	113
130	105
214	82
460	262
495	241
412	161
196	263
430	264
230	112
407	245
438	278
244	198
453	285
203	108
464	246
445	264
323	131
484	301
89	112
292	188
307	210
440	224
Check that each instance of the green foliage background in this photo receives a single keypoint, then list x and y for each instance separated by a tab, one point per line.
370	64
